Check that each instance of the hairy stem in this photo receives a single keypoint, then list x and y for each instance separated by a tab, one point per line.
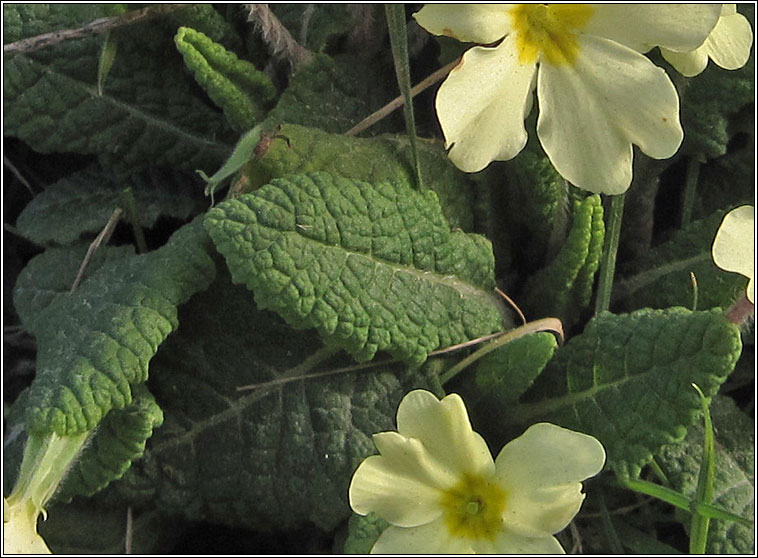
608	262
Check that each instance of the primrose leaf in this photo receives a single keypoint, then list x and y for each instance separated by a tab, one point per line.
275	457
371	267
83	527
50	275
734	482
83	203
235	85
147	114
626	380
119	440
662	277
371	159
95	343
314	25
363	531
327	94
564	287
708	102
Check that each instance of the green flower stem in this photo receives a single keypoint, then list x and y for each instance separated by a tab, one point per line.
47	459
690	190
608	261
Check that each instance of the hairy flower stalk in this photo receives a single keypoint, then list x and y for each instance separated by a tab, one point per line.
437	485
598	94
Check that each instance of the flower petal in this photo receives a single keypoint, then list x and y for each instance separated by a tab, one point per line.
591	113
401	485
508	542
734	246
431	538
482	104
443	427
688	64
475	23
680	27
729	43
541	472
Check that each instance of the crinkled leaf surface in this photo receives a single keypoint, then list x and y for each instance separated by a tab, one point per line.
147	114
235	85
83	203
564	287
95	343
371	267
662	276
50	275
734	482
119	439
626	380
363	531
371	159
271	458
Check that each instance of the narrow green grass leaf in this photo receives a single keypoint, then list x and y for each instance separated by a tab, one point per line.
704	491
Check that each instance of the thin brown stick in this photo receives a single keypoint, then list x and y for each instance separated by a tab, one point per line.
398	102
279	40
100	239
101	25
129	534
513	305
18	175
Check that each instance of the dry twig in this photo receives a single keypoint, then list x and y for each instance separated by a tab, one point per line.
279	40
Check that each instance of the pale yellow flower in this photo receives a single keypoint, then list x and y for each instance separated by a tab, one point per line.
734	246
437	485
728	45
598	95
20	529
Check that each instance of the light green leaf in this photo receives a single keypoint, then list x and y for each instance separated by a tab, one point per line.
734	482
235	85
564	287
148	113
94	344
84	201
274	458
371	159
119	440
371	267
627	380
107	57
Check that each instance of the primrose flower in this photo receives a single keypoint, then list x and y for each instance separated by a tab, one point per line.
20	529
437	485
734	247
728	45
597	93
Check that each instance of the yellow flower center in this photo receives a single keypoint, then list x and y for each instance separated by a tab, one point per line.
474	508
549	31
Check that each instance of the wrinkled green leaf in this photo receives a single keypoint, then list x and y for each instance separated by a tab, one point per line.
235	85
564	287
661	278
276	457
370	159
82	527
97	342
734	482
363	531
119	440
83	203
147	113
50	275
626	380
371	267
